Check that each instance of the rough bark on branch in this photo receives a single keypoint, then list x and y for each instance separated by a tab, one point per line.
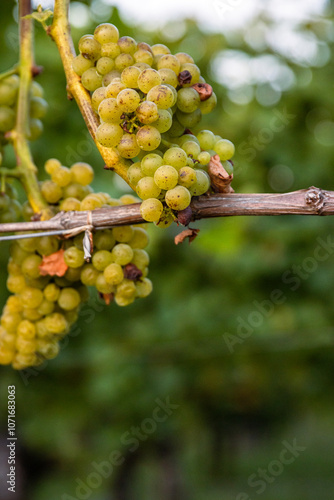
312	201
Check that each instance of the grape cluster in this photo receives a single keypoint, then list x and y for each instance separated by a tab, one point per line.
147	100
10	207
43	307
9	89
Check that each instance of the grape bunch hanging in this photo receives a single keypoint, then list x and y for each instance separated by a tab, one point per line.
148	100
48	277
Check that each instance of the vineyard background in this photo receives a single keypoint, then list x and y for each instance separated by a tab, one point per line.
238	333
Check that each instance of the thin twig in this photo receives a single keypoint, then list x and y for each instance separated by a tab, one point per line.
312	201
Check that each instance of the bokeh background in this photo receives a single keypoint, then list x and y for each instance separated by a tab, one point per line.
238	335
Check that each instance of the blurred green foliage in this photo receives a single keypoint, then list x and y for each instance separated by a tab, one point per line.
240	391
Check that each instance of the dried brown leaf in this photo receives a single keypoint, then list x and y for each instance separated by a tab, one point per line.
187	233
54	264
220	179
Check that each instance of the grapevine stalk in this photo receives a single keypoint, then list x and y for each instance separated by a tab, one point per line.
61	34
26	168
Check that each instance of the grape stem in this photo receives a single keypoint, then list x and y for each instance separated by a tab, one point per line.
26	169
60	32
311	201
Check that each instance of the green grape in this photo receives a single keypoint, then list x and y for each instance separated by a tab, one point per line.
187	176
150	163
104	240
89	275
10	321
46	245
130	76
112	76
109	134
16	283
194	71
109	110
17	253
141	66
189	120
35	88
148	138
191	149
144	287
74	257
51	165
77	191
35	129
110	49
14	304
5	202
147	112
31	297
159	48
188	100
140	258
208	105
228	167
168	76
147	188
89	47
114	88
97	97
143	56
30	266
90	202
225	149
126	289
8	93
151	210
51	292
202	183
82	173
104	65
62	176
69	299
166	177
128	100
135	173
80	64
176	157
47	350
127	45
178	198
162	95
128	146
128	199
184	58
148	79
169	62
38	107
123	61
91	79
106	33
206	139
46	307
56	323
164	121
102	286
122	234
113	274
176	129
204	158
139	238
26	329
73	273
122	254
25	346
101	259
186	138
7	118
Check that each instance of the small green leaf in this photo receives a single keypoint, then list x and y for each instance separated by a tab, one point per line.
41	17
